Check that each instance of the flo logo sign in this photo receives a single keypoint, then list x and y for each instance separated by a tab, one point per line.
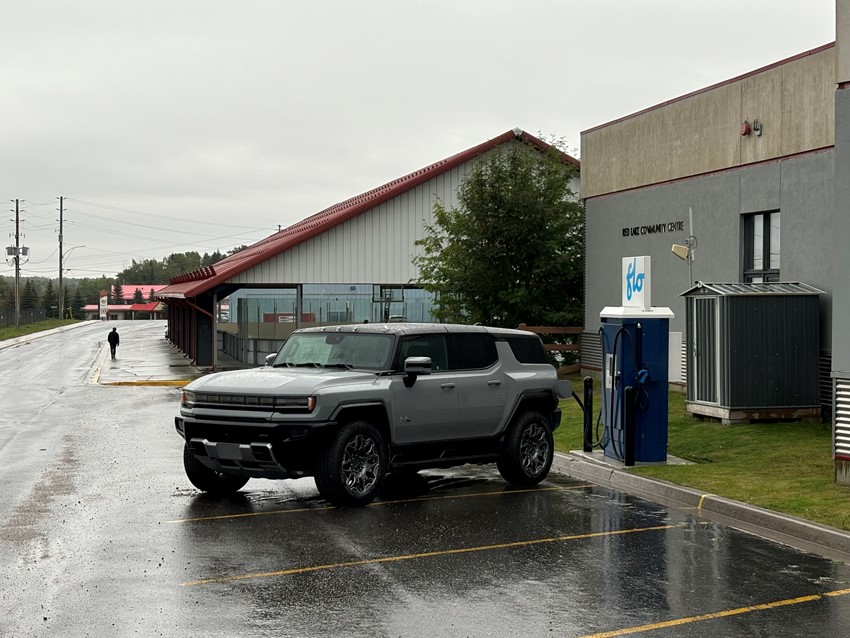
636	282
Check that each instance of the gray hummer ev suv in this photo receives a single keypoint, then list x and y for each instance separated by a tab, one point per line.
348	404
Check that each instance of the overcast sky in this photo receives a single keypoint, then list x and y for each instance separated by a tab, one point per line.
176	125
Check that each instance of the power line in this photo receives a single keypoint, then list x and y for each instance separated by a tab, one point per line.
149	214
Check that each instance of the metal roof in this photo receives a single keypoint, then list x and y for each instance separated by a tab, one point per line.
736	289
189	285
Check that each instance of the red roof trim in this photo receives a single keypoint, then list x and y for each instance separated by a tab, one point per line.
738	78
333	216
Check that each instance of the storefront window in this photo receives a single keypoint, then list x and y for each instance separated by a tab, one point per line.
272	313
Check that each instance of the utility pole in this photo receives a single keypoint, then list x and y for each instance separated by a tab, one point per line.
61	287
15	252
17	266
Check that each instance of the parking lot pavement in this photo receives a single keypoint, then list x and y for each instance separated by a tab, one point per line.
796	532
147	358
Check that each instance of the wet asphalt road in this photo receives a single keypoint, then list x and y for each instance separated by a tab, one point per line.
102	535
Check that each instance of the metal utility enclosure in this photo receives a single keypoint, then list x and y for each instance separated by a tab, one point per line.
752	350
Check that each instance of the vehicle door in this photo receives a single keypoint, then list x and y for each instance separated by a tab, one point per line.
480	384
427	410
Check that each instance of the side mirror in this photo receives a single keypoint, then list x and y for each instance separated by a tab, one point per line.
414	366
270	358
563	389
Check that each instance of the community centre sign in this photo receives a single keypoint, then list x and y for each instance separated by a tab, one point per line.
654	229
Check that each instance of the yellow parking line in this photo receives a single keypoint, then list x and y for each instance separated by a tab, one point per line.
376	504
444	552
702	498
718	614
152	382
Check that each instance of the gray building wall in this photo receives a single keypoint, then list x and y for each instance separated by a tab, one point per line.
841	232
799	187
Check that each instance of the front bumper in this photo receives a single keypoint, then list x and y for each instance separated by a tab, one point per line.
253	450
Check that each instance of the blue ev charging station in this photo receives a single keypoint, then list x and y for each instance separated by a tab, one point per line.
635	338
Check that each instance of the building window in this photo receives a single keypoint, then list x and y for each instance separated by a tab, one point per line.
761	247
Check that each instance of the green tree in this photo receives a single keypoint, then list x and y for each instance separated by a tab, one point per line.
118	292
137	296
151	297
178	263
210	259
513	250
49	299
78	303
29	297
7	295
149	271
66	301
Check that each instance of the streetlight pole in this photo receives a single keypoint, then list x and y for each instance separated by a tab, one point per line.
61	258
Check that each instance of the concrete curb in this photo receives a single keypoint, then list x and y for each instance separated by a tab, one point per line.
789	530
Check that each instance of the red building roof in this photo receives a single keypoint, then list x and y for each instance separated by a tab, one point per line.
129	290
153	306
191	284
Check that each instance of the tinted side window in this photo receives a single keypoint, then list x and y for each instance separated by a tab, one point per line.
433	346
472	351
528	349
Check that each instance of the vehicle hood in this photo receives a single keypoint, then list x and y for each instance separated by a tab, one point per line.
276	381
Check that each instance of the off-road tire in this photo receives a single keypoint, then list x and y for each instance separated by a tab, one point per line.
354	465
528	450
208	480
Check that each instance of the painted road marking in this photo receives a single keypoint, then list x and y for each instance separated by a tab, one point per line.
702	498
717	614
219	517
434	554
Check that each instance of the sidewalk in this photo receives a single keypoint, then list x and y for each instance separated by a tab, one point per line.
148	362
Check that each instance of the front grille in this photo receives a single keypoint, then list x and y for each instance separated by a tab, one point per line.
252	402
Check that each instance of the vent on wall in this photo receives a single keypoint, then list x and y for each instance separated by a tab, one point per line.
842	418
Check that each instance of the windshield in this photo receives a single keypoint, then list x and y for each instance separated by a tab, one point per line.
336	350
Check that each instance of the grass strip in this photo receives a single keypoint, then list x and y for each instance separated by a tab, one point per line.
38	326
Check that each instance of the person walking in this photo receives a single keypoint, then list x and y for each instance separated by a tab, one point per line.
113	339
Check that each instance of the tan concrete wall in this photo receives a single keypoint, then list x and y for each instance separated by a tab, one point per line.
842	41
794	102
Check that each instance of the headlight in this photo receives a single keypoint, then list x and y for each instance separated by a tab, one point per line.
306	403
187	399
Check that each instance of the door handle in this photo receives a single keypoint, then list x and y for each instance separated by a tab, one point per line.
447	386
494	382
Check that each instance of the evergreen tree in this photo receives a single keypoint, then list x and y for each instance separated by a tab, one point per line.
29	297
118	293
77	304
49	300
151	295
7	295
137	296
